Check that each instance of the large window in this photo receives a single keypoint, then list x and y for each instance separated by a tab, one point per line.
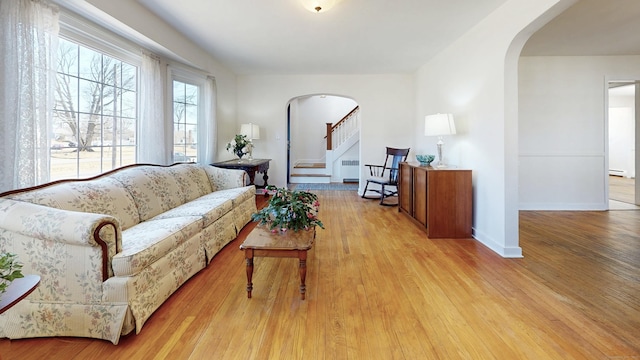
186	100
95	112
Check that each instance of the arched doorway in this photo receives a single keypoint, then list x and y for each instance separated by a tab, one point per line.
309	158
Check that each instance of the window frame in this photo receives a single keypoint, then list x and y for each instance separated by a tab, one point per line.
91	36
188	76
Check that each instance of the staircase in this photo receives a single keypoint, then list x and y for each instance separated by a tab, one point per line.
340	138
310	173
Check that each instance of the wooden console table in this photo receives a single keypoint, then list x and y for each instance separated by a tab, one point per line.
250	166
438	199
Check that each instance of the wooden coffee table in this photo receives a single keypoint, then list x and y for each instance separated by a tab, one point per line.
293	244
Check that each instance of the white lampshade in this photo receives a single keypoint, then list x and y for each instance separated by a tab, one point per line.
252	131
439	124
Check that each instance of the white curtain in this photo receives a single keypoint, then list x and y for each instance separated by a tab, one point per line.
210	120
152	133
28	46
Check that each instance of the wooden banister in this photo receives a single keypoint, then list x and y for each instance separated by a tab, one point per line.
331	127
345	117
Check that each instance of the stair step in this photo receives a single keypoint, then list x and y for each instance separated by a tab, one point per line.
310	178
310	166
310	171
311	175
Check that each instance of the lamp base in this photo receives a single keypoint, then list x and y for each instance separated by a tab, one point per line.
250	157
440	163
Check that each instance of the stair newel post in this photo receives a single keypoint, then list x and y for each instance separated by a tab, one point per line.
329	140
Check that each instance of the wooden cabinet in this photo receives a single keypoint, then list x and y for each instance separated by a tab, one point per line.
440	200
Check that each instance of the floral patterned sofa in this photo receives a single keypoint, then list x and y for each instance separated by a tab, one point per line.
111	249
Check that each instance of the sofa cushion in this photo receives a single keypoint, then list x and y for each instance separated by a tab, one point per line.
210	208
150	240
193	180
226	178
153	188
237	195
101	196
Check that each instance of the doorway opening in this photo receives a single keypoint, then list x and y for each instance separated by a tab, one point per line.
623	126
314	123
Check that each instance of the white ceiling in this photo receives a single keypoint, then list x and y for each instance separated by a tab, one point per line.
378	36
355	36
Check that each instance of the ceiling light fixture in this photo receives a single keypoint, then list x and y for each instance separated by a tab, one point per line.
318	6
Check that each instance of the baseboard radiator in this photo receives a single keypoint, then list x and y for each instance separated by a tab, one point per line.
617	172
350	170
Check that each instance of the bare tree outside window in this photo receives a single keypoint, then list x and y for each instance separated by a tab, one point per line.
94	114
185	121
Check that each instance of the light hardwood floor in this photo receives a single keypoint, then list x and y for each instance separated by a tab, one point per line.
622	189
377	288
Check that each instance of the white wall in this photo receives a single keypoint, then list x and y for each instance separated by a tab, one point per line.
386	103
563	129
475	79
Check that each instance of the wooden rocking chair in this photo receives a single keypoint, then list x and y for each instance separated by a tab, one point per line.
377	175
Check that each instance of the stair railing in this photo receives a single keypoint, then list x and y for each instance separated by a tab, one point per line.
343	129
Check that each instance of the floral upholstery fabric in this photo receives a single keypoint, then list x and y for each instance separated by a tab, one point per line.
42	223
158	225
194	182
153	189
218	234
243	211
49	242
237	195
226	178
149	288
210	208
150	240
101	196
100	320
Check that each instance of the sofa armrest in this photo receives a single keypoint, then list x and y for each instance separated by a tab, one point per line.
63	226
222	178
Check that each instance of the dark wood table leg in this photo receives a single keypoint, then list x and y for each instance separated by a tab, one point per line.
252	176
302	255
265	177
248	254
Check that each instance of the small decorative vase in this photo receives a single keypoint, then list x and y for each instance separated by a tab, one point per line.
239	154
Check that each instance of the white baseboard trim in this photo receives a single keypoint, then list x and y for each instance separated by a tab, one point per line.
564	207
505	252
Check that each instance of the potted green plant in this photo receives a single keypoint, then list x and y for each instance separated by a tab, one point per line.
289	210
240	145
10	269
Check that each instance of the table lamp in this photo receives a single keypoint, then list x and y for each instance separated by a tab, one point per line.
252	131
439	125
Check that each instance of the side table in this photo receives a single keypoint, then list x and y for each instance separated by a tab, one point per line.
252	167
18	290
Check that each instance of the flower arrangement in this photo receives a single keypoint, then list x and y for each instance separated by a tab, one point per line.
289	210
10	269
240	145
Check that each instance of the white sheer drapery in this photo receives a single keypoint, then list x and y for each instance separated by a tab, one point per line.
210	122
28	44
152	128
